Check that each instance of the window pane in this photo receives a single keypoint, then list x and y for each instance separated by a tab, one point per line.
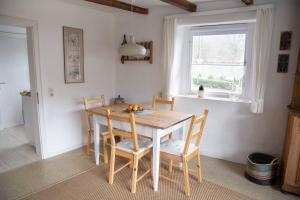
217	78
219	49
218	62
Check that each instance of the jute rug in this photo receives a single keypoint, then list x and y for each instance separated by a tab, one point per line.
93	185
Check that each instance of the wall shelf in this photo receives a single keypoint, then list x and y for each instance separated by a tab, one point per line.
149	53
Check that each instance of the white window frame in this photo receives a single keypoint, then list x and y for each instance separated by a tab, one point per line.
248	29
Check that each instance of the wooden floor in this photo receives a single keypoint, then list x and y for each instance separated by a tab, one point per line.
15	151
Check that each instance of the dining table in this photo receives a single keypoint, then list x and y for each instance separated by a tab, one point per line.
152	123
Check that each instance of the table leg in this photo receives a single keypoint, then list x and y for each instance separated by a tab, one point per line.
182	132
156	157
96	139
182	135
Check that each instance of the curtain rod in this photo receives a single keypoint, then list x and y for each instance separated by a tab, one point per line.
223	11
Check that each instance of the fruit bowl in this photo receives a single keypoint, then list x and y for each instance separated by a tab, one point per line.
134	108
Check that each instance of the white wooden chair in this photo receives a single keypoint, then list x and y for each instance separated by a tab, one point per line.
91	103
184	151
132	147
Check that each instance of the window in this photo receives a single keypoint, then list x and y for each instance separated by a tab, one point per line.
220	59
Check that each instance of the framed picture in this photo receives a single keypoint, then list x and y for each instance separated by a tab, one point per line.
283	63
285	40
73	55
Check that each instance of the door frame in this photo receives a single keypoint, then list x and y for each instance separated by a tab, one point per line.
35	78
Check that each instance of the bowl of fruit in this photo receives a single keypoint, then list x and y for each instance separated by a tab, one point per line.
134	108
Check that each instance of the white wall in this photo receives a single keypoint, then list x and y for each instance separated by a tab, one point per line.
64	119
14	72
232	131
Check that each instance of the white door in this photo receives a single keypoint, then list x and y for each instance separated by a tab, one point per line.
17	73
31	40
34	74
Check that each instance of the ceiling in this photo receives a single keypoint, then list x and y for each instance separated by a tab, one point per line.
151	3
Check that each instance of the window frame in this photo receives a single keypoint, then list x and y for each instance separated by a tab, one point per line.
248	29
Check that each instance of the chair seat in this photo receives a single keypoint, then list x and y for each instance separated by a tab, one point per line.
176	147
127	145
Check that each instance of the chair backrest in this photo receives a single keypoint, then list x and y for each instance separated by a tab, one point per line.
89	103
128	118
195	134
156	101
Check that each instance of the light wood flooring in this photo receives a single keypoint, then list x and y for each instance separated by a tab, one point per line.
15	151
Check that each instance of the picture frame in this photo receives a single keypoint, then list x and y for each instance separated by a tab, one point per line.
73	55
283	63
285	40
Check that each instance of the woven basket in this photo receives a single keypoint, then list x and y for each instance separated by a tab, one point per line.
262	168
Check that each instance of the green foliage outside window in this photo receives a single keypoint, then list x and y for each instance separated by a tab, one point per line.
219	83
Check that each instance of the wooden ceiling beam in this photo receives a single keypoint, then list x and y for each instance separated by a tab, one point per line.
248	2
183	4
121	5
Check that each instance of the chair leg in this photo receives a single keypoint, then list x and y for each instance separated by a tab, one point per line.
89	142
112	166
186	178
170	166
134	174
170	135
105	149
131	163
199	173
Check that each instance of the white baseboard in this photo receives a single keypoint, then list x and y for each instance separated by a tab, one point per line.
222	157
56	153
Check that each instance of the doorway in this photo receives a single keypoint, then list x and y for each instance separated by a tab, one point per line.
20	109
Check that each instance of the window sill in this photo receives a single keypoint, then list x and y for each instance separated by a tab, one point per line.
239	100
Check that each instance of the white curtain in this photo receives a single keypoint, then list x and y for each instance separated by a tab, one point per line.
182	62
175	58
169	33
261	57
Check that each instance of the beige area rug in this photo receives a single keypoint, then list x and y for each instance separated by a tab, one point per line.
93	185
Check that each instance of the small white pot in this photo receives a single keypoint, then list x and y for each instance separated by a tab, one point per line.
200	93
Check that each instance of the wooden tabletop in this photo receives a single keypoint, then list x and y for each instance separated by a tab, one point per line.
160	119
